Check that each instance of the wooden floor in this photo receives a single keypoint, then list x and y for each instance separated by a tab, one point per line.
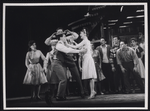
109	100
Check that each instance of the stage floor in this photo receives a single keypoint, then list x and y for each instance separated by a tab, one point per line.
109	100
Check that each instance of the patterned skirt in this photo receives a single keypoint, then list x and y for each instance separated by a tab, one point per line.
35	75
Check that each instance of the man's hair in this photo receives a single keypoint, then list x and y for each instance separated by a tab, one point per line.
134	39
125	42
116	37
102	38
59	28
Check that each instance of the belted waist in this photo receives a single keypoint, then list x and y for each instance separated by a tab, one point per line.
34	63
56	59
127	61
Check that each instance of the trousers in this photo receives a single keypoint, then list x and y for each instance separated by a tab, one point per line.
75	74
129	67
108	82
60	71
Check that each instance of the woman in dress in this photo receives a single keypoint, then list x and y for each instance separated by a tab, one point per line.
88	66
100	76
34	75
142	45
139	51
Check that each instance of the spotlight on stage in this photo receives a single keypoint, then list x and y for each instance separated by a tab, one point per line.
87	15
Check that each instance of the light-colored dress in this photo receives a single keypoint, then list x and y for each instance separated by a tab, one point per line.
140	66
88	65
96	58
34	74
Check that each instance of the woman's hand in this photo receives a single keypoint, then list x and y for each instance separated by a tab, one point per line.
45	69
80	69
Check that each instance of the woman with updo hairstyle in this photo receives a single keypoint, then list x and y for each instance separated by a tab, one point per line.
88	67
34	75
140	52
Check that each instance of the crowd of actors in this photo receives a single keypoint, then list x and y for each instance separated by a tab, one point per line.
101	70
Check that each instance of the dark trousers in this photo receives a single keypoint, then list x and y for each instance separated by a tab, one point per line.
108	82
118	78
61	74
75	74
129	67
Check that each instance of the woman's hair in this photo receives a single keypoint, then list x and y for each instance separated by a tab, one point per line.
30	43
84	30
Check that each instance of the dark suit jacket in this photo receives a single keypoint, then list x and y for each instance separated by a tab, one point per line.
101	53
66	59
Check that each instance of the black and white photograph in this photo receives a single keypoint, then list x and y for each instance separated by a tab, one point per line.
64	56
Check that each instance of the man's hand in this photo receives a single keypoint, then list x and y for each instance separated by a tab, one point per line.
123	69
113	69
67	31
100	66
135	69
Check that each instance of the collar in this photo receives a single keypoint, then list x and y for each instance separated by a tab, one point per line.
104	46
125	49
34	50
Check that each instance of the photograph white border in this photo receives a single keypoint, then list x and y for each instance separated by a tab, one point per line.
75	4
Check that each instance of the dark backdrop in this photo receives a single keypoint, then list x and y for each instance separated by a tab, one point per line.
24	23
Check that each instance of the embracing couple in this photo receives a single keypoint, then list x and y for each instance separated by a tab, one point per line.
63	59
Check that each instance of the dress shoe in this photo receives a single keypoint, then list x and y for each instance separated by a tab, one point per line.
101	93
106	92
32	99
83	96
60	98
128	92
38	98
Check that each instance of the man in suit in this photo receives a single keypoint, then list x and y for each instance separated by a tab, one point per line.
104	51
65	59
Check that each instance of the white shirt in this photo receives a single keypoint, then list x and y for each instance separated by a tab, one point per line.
104	51
62	48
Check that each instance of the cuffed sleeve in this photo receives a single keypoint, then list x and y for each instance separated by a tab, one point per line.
46	60
111	61
27	60
47	41
62	48
118	57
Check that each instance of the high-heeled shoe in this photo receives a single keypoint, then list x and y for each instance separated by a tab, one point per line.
93	95
38	98
32	99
